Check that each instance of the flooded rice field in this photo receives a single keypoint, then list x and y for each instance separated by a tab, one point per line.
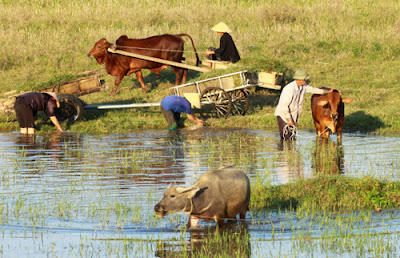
93	195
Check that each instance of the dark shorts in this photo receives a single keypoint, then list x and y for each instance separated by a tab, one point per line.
24	114
281	125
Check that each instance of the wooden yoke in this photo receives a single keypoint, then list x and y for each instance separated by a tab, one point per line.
159	60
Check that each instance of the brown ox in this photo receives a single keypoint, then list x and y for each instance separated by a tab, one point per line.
167	47
328	113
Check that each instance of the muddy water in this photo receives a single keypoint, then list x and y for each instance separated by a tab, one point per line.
89	195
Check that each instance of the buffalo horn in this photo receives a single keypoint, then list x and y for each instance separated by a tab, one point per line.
185	189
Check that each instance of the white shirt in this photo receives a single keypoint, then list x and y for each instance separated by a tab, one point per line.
291	101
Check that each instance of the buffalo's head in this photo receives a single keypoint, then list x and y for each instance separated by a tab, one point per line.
99	51
176	199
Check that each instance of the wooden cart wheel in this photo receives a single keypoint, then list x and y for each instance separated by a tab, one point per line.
216	103
71	108
240	101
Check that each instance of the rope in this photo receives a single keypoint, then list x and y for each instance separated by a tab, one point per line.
290	130
294	132
99	51
155	49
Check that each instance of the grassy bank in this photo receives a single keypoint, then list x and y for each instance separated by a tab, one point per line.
347	44
328	193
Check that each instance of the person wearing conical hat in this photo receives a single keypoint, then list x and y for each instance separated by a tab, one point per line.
29	104
291	102
227	50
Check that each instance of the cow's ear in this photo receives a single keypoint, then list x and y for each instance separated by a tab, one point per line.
347	100
192	192
322	102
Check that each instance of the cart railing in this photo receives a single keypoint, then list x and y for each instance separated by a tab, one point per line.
224	82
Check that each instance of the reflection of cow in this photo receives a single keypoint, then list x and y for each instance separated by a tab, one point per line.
327	157
328	113
217	195
167	47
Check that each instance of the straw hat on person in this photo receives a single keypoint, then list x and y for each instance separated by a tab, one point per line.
53	95
221	27
301	75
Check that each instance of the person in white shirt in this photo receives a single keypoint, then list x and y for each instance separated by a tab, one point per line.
291	102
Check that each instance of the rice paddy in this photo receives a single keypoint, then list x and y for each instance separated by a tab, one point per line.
85	195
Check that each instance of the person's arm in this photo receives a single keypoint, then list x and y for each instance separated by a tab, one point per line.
313	90
222	46
193	118
209	52
56	123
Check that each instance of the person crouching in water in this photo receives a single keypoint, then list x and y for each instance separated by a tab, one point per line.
172	106
29	104
291	102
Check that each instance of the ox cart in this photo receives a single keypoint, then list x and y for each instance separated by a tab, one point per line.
216	97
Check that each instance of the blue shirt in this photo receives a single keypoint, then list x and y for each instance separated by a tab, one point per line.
176	104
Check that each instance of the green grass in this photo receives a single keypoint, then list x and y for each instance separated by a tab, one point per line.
347	44
328	193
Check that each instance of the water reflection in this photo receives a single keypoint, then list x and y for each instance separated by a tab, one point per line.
327	157
290	161
231	240
76	185
36	151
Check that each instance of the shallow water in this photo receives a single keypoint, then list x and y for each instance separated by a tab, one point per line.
93	195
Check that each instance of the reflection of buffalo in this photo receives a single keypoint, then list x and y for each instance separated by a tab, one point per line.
227	241
327	157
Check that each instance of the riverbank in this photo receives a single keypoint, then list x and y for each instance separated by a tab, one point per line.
348	46
328	193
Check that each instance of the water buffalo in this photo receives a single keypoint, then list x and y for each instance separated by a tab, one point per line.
217	195
328	113
168	47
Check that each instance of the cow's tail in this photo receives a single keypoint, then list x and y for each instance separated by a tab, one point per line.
197	56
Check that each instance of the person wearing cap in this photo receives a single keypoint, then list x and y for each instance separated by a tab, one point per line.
227	50
29	104
291	102
172	106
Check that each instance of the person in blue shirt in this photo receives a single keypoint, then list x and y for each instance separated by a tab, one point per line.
172	106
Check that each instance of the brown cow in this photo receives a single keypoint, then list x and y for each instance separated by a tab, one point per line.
328	113
168	47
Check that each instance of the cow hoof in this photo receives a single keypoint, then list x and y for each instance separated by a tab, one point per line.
144	90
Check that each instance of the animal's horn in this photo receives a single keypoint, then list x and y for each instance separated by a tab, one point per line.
170	185
185	189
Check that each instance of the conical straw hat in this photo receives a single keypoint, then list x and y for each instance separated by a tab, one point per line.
221	27
54	95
